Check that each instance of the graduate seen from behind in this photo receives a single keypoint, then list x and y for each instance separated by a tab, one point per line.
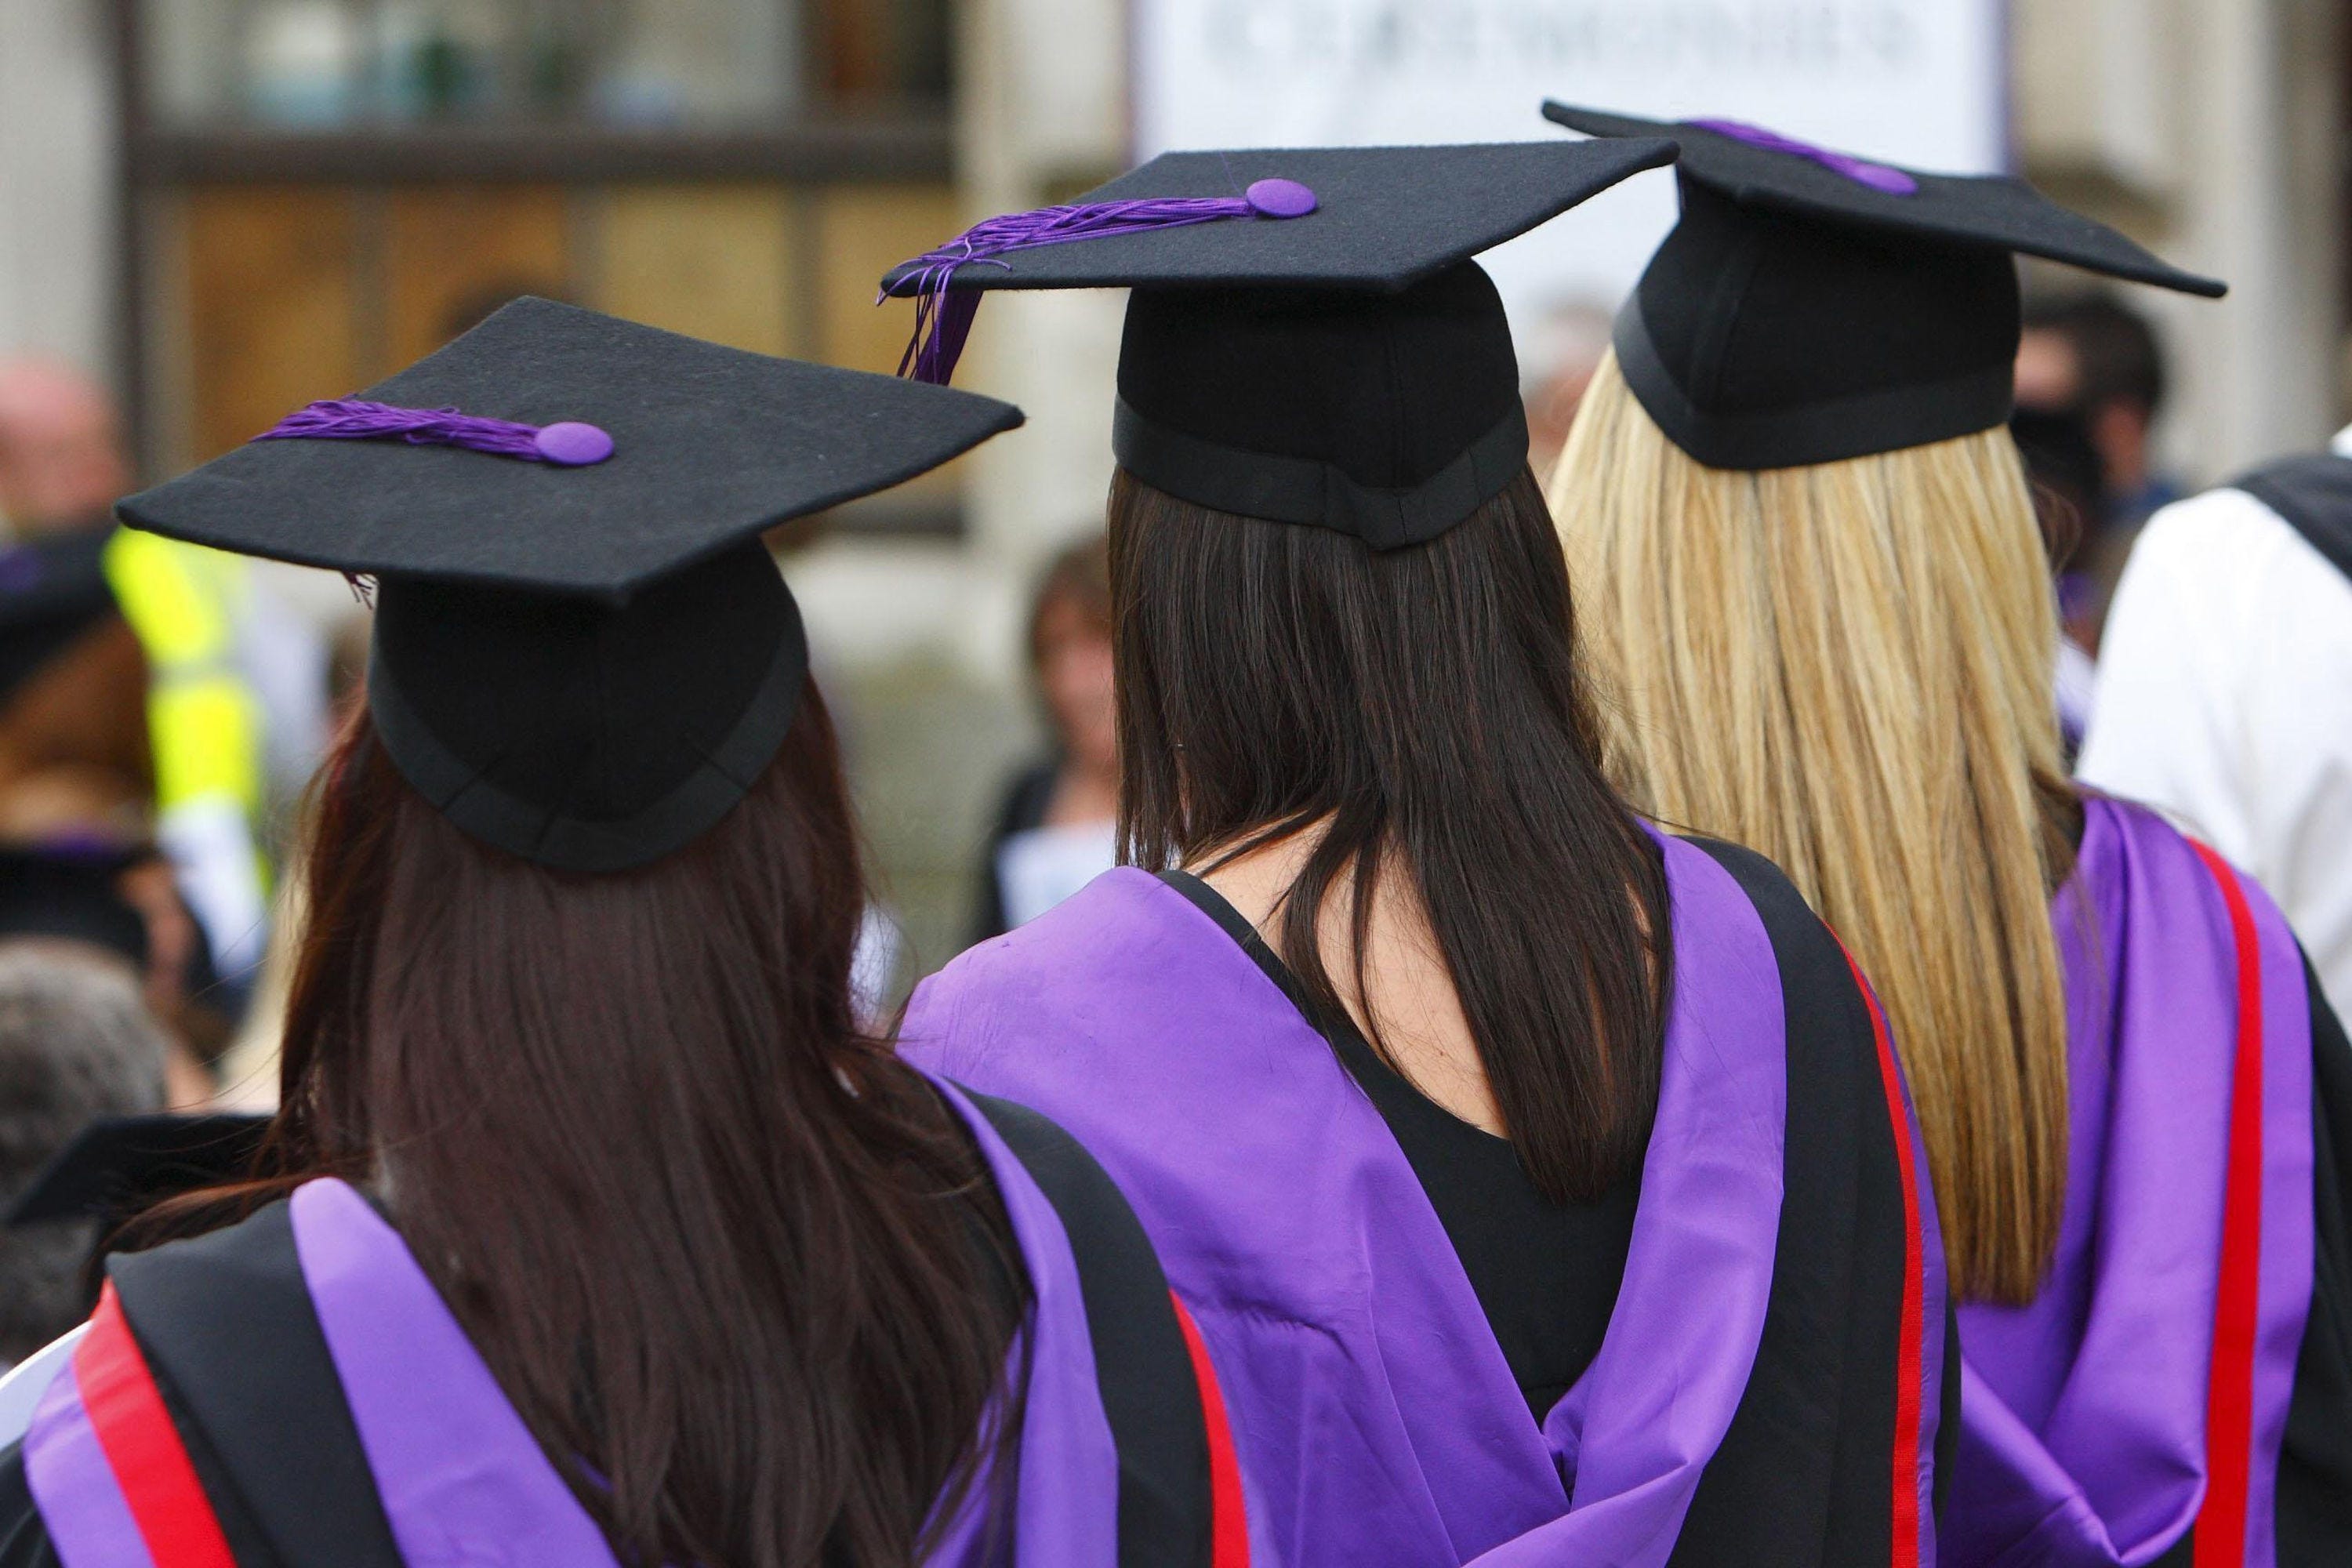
1540	1182
591	1231
1817	591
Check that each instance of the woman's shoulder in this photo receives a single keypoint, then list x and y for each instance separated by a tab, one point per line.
1153	1383
2138	865
1115	932
1776	899
230	1380
1745	940
1723	891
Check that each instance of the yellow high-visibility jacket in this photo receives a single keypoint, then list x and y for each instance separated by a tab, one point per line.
205	727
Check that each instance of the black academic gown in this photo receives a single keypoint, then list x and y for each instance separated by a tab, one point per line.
288	1392
1428	1363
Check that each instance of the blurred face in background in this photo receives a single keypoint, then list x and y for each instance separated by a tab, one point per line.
2049	372
61	463
1073	654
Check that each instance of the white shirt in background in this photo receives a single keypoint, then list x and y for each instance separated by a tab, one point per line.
2224	698
1040	867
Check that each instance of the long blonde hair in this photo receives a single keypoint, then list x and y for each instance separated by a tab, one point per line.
1847	667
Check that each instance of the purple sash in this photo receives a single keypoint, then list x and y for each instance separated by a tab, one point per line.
462	1480
87	1517
2084	1414
1376	1416
1067	1507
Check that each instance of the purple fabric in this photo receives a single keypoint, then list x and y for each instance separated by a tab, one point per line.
1066	1511
462	1478
2082	1423
943	318
1376	1417
569	444
1861	171
81	1503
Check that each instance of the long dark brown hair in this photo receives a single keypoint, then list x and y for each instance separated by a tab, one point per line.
1426	706
732	1260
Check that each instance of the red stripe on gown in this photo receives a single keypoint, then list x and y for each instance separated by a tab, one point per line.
143	1446
2220	1529
1229	1526
1907	1369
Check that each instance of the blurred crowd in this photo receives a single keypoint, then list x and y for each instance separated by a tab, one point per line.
158	712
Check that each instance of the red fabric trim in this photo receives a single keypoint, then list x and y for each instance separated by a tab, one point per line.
2220	1531
142	1446
1907	1369
1228	1523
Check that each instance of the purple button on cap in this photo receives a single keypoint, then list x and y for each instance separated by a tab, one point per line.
573	445
1279	198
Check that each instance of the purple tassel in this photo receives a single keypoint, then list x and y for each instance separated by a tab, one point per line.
568	444
1877	176
943	317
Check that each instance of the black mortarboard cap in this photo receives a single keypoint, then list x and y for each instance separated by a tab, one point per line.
583	655
1811	305
121	1164
1308	341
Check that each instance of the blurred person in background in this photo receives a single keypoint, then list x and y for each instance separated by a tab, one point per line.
2225	686
77	1044
2090	362
77	792
1814	577
101	904
76	759
222	659
1558	360
2071	503
1057	828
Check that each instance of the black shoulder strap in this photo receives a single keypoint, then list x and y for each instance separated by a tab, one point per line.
2314	494
1803	1474
226	1321
1166	1518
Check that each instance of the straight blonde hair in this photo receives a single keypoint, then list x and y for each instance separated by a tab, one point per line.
1848	667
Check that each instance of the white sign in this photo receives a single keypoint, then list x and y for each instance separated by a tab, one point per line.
1912	81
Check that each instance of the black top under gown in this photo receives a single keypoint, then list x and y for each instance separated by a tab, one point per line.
1545	1274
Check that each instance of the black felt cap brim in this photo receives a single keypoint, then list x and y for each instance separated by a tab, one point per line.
1386	218
121	1164
711	445
1987	210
